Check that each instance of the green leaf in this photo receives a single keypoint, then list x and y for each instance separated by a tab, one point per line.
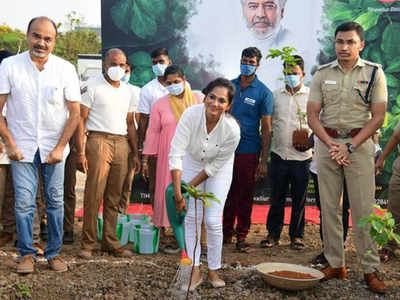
368	19
377	225
394	66
376	55
391	223
373	33
355	3
120	14
392	81
382	239
391	39
142	24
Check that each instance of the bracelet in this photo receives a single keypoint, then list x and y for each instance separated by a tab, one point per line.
81	153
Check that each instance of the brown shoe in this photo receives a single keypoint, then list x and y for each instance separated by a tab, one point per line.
374	283
120	252
5	238
26	264
85	253
57	264
335	273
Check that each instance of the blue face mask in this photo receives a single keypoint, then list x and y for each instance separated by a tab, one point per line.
292	80
176	88
126	78
159	69
247	70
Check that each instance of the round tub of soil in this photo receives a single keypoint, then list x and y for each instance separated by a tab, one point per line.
289	276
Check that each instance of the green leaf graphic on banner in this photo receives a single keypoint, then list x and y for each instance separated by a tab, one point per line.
373	33
392	81
120	14
394	66
391	39
368	20
142	24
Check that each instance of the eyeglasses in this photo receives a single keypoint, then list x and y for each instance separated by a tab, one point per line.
265	6
350	43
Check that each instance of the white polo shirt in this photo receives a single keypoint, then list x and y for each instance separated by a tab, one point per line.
135	90
149	93
108	106
36	103
285	121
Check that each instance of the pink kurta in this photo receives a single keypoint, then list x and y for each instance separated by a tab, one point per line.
158	140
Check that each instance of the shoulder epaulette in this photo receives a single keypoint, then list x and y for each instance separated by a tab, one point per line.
370	63
325	66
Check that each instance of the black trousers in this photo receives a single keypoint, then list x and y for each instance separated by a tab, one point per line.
282	174
345	204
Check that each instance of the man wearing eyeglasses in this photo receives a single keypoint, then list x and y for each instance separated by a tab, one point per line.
347	105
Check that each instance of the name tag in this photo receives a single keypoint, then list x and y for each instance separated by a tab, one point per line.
330	82
249	101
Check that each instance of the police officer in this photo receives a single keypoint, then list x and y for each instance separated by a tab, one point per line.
347	105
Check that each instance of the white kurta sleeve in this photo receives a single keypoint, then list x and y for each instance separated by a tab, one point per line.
227	149
180	141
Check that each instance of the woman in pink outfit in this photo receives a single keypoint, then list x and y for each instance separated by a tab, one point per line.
164	118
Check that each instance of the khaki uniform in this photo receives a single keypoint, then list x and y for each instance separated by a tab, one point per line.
394	193
343	109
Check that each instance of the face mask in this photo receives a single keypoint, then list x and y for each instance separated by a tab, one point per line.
247	70
292	80
126	77
115	73
159	69
176	89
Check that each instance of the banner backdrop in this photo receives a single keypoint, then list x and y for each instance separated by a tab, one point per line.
206	37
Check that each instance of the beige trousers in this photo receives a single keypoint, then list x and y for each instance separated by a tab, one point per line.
360	179
394	197
107	156
127	187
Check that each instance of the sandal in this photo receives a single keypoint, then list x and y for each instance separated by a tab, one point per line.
269	242
297	244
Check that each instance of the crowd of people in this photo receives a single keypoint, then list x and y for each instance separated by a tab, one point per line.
219	140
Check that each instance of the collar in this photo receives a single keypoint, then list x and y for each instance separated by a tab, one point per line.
360	63
47	63
254	83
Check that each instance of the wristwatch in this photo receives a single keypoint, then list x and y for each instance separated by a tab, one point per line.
350	147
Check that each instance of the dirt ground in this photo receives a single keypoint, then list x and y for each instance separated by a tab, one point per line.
149	276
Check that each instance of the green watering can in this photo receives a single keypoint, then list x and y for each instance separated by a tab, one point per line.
176	220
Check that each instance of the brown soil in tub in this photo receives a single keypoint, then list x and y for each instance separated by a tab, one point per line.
292	275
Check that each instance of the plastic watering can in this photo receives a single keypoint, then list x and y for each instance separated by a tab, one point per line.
176	220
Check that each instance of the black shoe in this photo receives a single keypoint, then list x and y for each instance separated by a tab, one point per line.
68	237
43	232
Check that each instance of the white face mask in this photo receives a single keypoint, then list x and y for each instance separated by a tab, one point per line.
159	69
115	73
176	88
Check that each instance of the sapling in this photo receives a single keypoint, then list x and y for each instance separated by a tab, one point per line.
383	227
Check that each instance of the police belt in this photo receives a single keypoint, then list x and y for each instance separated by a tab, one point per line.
342	134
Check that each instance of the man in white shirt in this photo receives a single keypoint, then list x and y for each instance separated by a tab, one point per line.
107	113
42	94
127	187
289	162
149	94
